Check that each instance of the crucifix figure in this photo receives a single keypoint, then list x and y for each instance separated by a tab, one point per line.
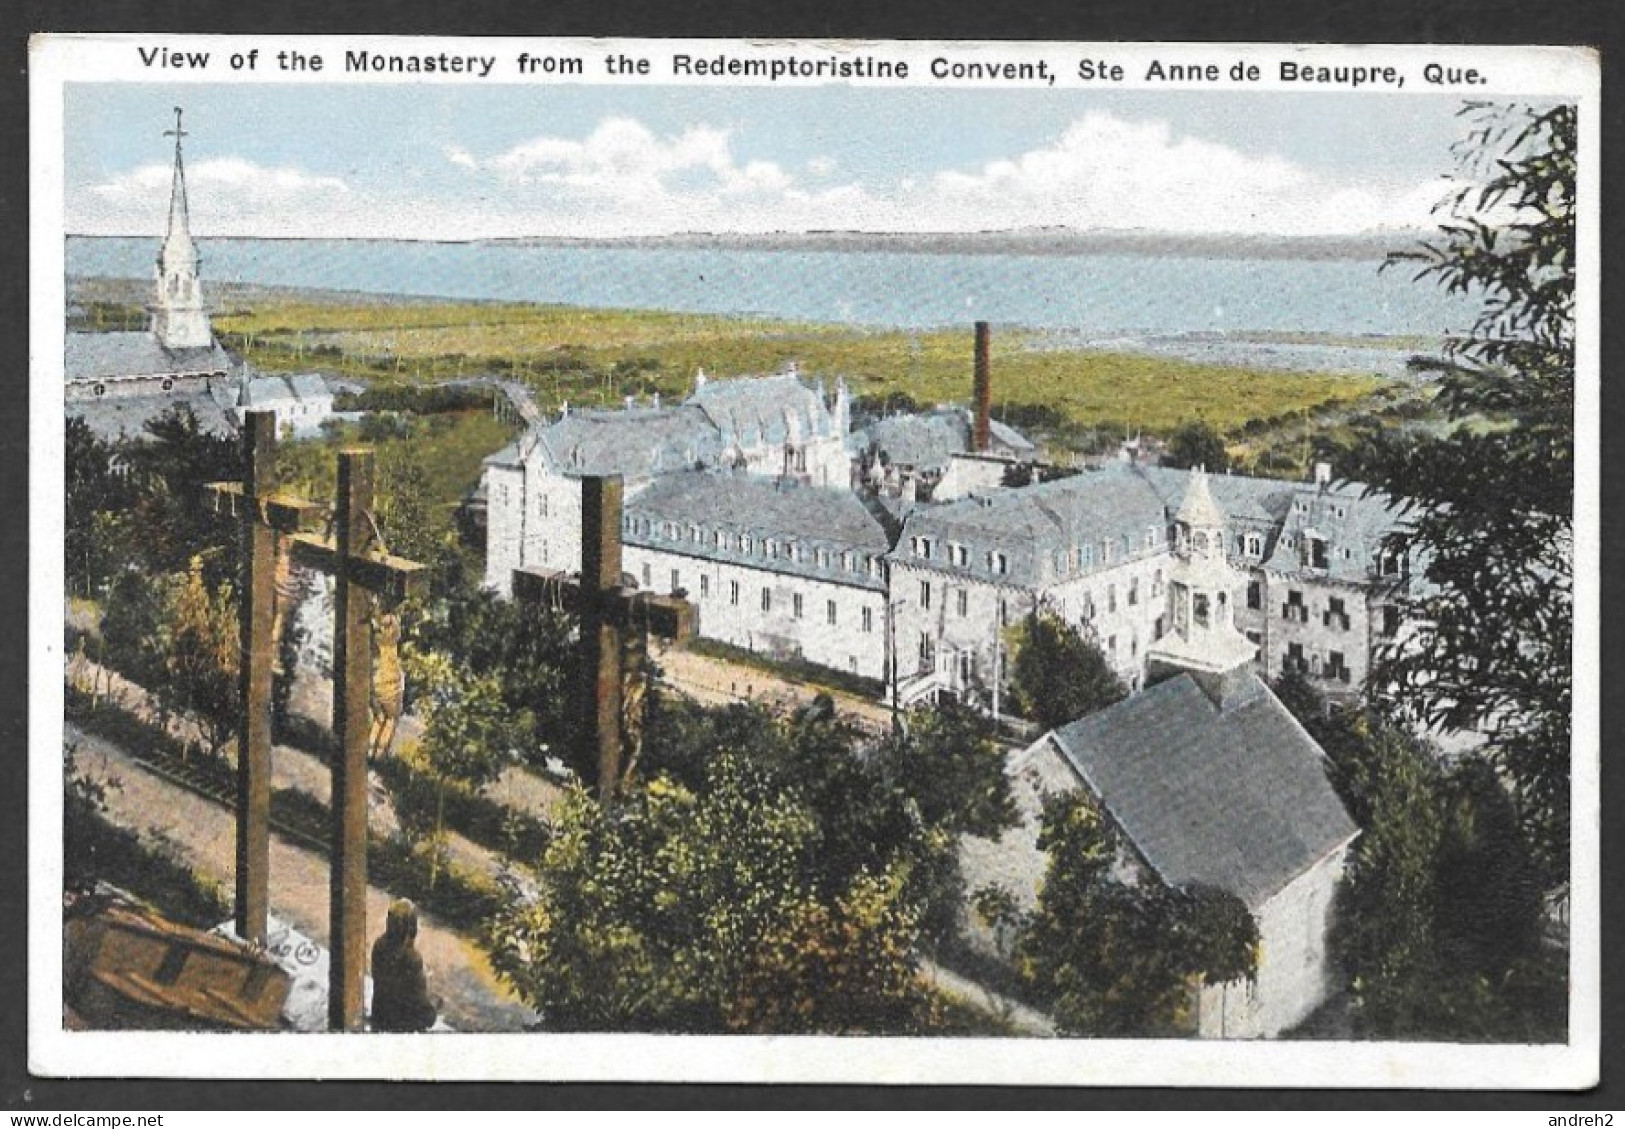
607	609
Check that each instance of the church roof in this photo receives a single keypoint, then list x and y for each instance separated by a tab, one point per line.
128	416
267	391
109	356
1241	497
1234	797
927	441
809	517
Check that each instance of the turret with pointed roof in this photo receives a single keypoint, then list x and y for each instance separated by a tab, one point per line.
178	317
1202	586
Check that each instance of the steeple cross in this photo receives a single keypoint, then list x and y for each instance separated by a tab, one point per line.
177	133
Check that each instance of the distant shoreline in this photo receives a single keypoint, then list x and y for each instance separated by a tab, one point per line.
1039	241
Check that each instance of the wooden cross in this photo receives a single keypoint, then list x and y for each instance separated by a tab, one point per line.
606	609
264	514
362	571
177	133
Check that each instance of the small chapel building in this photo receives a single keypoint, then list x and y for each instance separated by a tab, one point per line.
1210	781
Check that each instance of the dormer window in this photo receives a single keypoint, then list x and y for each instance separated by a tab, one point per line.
998	563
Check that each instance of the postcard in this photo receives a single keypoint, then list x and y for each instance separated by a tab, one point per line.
712	560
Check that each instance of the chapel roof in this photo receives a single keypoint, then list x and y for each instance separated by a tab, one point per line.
1232	795
109	356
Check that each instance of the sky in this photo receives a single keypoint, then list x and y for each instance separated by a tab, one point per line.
465	162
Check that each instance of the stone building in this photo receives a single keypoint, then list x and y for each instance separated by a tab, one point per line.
1210	781
773	427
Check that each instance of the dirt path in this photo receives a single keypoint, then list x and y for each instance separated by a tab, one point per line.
714	681
203	836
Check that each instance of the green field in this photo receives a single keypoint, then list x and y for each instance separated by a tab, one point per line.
589	356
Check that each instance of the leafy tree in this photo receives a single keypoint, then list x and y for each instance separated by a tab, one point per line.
1197	444
1119	959
1057	675
701	911
202	656
98	533
1490	502
170	471
467	732
949	763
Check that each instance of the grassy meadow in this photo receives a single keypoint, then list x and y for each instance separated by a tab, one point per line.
588	356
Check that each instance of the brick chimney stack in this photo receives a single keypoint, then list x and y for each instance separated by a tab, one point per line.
982	393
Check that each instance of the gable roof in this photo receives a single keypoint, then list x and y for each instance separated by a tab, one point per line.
749	411
109	356
632	442
1029	524
1236	798
809	517
927	440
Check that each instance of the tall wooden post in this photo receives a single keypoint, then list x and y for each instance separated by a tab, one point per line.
258	548
600	629
607	611
352	665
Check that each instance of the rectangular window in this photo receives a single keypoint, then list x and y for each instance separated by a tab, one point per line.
1294	608
925	593
962	598
795	604
676	580
705	586
868	620
1255	594
1004	612
1111	597
830	613
1390	621
767	599
1336	615
1134	592
646	580
1156	584
733	592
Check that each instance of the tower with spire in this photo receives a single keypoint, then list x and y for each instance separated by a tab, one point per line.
1202	639
178	317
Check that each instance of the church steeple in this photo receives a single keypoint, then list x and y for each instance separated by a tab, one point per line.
1202	588
178	318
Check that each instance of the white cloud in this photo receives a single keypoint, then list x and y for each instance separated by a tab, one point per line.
225	195
1103	172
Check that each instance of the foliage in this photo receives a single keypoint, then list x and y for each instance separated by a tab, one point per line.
169	471
528	649
1490	502
1438	923
98	536
201	658
699	911
1057	675
1119	959
949	763
467	731
1196	444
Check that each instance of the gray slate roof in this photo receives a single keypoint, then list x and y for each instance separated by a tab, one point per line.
270	390
1237	799
754	410
105	356
927	441
1256	500
1030	524
808	516
128	416
1352	524
634	442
